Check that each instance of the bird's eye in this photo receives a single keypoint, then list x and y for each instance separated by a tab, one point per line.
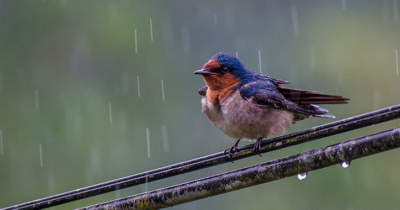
225	70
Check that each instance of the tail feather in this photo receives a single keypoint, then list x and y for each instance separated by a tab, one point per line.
306	101
310	97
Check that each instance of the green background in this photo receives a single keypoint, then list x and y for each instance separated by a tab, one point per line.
62	63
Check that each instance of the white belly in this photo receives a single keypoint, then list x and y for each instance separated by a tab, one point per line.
239	118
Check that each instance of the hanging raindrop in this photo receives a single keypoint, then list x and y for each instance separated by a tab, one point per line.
302	176
345	164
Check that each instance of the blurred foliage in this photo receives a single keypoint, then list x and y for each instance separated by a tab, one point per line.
79	56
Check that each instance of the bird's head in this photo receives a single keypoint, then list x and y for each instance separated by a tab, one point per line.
221	71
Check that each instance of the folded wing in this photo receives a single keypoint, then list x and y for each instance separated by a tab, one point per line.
300	102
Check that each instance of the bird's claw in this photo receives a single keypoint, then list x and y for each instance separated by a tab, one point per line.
234	148
231	150
257	147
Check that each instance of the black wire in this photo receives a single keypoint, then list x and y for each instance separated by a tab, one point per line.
317	132
258	174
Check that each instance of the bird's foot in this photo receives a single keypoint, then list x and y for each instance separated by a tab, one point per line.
257	146
230	151
233	149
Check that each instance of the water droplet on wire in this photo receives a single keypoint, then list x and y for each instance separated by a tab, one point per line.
302	176
345	164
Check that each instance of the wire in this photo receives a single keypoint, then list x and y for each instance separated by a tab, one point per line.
259	174
314	133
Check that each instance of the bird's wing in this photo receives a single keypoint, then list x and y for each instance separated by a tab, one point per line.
265	93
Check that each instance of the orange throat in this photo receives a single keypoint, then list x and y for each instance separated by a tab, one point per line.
219	87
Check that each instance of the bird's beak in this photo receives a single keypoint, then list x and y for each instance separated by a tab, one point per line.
204	72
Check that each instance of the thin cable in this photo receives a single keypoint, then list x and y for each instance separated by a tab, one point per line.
258	174
314	133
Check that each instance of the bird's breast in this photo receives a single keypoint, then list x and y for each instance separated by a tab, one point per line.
240	118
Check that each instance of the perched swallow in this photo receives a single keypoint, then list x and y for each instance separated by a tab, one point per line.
247	105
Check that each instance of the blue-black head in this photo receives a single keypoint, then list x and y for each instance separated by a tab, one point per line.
221	64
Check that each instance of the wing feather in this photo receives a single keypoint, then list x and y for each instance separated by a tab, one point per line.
310	97
267	94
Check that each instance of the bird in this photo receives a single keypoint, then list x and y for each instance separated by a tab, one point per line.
248	105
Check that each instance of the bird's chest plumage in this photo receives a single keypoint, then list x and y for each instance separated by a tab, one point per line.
240	118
